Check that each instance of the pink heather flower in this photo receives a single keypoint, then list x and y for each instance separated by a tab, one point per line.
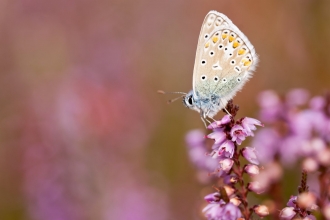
213	197
256	187
225	120
218	135
251	169
271	106
249	125
317	103
226	164
261	210
297	97
196	149
230	212
287	213
225	150
249	153
292	201
238	134
213	211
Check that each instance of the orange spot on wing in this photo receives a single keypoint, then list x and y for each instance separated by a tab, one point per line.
231	38
207	44
241	51
215	39
235	44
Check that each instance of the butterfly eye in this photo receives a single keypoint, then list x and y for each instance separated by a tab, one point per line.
238	79
211	53
232	62
203	77
220	46
203	62
224	80
216	79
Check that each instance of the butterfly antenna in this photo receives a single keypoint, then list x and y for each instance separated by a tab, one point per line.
163	92
172	100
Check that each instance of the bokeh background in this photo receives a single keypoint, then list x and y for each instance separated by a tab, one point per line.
83	133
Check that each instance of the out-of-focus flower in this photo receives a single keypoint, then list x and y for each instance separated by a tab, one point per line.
306	200
323	157
256	187
251	169
238	134
271	173
197	151
292	201
297	97
326	211
310	164
249	125
230	212
261	210
287	213
270	106
213	210
249	153
213	197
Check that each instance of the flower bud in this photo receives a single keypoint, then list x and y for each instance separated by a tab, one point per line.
229	190
249	153
310	164
256	187
324	157
326	211
306	200
226	164
287	213
261	210
236	201
251	169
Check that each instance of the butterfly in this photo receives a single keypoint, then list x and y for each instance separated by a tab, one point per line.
225	60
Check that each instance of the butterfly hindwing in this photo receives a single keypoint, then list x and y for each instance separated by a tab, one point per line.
224	59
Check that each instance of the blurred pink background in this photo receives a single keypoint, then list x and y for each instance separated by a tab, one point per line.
84	135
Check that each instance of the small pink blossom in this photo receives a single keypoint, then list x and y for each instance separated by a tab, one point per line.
225	150
256	187
218	135
238	134
250	154
226	164
225	120
287	213
251	169
249	125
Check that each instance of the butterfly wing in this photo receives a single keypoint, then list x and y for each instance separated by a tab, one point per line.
225	58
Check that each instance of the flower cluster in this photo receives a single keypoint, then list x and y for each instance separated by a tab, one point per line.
294	131
230	200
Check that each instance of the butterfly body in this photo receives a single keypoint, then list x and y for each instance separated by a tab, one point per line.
225	60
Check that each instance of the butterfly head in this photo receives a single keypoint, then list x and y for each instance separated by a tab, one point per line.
190	102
